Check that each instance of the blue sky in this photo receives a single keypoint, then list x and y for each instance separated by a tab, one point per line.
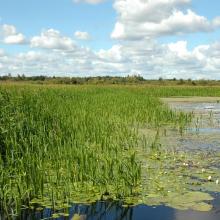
31	16
114	37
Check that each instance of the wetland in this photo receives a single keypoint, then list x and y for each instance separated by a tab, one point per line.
109	152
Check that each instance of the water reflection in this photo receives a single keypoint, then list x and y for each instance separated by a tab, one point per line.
115	211
107	211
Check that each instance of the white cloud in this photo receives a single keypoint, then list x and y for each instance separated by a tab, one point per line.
140	23
10	35
148	58
216	22
2	52
153	60
149	10
31	56
119	31
180	48
89	1
52	39
138	19
114	54
8	30
81	35
179	23
15	39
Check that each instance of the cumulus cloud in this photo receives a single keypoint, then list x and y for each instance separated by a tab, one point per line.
31	56
89	1
114	54
81	35
148	58
10	35
216	22
179	48
138	19
2	52
52	39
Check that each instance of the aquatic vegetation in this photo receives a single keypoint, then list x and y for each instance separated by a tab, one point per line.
67	143
63	145
178	179
183	170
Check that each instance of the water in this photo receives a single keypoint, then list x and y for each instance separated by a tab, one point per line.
207	115
115	211
204	131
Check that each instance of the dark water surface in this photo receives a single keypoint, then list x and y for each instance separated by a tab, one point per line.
115	211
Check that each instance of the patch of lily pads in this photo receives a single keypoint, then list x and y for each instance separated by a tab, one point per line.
178	179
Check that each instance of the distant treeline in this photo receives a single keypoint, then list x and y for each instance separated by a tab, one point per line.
135	79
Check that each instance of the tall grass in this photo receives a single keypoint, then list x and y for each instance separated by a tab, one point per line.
74	143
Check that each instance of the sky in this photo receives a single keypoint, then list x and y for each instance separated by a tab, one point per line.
151	38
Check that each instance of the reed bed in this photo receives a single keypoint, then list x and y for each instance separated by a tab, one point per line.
61	144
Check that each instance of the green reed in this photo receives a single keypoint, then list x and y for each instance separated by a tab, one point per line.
74	144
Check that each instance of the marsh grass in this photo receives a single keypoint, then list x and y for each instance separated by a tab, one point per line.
74	144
